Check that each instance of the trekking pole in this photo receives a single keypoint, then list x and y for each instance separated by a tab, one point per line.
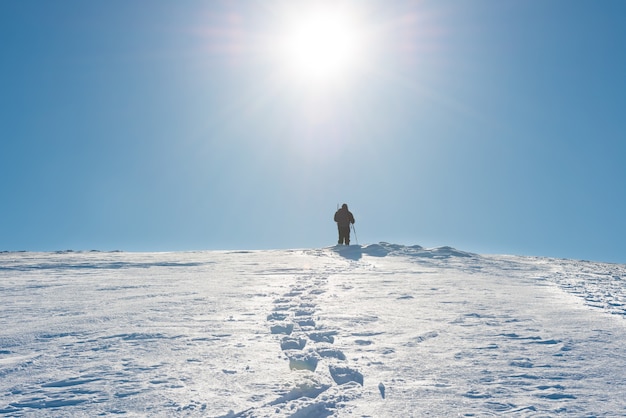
355	238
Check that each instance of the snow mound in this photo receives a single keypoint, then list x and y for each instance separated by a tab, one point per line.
384	249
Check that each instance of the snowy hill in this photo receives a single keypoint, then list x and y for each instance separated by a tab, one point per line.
375	331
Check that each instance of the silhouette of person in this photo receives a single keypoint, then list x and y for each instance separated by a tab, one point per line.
344	218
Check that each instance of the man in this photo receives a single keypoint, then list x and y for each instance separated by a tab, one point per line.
344	218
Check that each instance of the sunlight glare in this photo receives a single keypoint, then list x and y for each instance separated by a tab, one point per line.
321	45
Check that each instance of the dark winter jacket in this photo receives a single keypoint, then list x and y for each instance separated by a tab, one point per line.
344	218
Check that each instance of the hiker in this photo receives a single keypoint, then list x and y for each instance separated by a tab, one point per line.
344	218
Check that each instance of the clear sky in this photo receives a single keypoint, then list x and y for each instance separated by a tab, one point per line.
489	126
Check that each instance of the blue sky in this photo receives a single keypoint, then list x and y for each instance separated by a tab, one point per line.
493	127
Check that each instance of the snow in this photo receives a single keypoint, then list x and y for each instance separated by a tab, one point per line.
375	331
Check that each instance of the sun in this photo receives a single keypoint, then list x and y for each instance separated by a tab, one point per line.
321	44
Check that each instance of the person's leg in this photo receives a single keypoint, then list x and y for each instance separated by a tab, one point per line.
344	235
340	235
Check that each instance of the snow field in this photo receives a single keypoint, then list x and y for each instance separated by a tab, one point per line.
375	331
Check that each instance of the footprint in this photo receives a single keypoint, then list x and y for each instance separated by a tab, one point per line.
343	375
302	361
306	323
282	329
305	390
329	352
276	316
290	343
323	337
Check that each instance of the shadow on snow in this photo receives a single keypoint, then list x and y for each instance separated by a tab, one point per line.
383	249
